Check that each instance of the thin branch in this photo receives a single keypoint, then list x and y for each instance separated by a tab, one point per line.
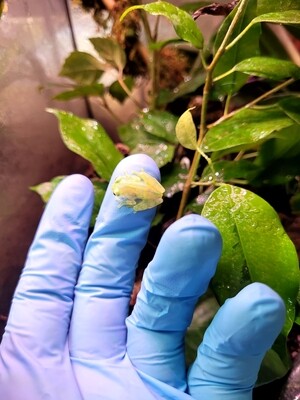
239	36
129	93
255	101
110	111
227	105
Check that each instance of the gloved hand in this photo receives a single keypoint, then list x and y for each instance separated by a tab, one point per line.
68	336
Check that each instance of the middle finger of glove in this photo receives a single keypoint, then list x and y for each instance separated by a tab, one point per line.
179	274
98	330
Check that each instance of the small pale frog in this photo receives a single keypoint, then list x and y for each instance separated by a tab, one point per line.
138	190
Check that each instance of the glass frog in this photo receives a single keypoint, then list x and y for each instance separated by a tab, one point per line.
138	190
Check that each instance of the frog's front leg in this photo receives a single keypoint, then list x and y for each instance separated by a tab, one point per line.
127	202
144	205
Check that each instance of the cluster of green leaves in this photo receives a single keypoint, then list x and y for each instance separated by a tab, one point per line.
256	142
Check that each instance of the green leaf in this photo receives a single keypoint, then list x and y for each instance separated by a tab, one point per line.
184	25
284	145
46	189
247	47
290	17
282	17
88	138
291	106
96	89
161	153
224	171
110	51
161	44
99	192
188	86
151	133
186	130
272	367
266	6
267	67
205	310
82	67
255	247
245	128
278	158
118	92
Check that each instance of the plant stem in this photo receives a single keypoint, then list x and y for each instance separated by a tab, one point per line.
240	9
231	44
227	104
154	71
206	90
255	101
153	67
129	93
110	111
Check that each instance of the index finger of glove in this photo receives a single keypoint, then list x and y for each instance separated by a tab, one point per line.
105	284
43	300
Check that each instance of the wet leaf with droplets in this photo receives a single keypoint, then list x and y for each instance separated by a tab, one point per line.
151	133
246	128
184	24
88	138
268	67
255	249
255	246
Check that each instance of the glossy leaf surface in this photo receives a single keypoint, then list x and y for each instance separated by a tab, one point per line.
284	17
246	127
88	138
225	170
266	6
184	25
268	67
255	247
151	133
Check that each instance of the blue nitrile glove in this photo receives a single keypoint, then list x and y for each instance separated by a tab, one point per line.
68	336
